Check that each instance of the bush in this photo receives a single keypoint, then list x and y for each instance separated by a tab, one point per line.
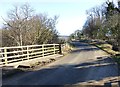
117	58
115	48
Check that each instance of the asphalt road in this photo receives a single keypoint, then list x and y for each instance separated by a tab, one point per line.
84	65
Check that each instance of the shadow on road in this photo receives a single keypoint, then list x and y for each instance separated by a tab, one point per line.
85	49
73	74
82	47
82	72
79	44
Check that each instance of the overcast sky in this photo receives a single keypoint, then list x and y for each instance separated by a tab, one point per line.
72	13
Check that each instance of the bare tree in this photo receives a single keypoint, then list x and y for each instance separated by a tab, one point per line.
25	28
17	23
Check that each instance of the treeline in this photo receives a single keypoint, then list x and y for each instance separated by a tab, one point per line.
103	23
24	27
76	35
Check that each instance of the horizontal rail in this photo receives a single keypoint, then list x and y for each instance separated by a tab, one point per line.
28	46
21	53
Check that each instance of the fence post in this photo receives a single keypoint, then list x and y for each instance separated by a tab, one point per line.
5	54
54	48
43	50
27	52
60	50
22	52
108	84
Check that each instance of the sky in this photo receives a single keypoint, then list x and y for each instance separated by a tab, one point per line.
72	13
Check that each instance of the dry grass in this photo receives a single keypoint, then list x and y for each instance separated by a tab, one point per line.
107	47
67	48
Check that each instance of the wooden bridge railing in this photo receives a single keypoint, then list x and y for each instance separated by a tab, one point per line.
20	53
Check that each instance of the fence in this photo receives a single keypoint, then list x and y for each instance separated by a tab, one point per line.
20	53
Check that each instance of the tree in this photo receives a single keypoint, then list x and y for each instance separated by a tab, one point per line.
103	23
77	35
17	24
44	29
25	28
94	23
113	23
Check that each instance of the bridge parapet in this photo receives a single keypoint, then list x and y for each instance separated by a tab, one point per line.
9	55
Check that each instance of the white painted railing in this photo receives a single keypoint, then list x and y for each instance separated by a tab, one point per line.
20	53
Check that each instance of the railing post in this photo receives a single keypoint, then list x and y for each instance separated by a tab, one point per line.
5	54
60	50
54	48
22	51
43	50
27	52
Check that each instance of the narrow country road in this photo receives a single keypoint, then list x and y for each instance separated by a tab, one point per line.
84	65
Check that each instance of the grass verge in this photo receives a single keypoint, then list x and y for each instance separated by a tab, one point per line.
108	48
117	59
105	47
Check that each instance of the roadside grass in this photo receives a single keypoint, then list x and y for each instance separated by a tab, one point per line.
67	47
105	47
108	48
117	59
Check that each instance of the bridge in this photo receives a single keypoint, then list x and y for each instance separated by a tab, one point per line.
26	55
85	65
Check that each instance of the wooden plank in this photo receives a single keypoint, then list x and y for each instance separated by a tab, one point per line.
16	56
27	46
41	52
35	56
5	50
22	51
17	60
35	49
48	51
27	53
49	48
54	49
35	53
48	54
20	46
16	51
